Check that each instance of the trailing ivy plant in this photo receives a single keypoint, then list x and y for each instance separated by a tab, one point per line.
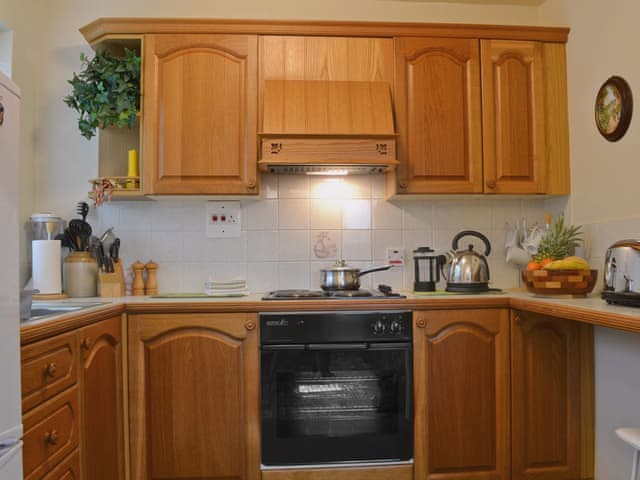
106	92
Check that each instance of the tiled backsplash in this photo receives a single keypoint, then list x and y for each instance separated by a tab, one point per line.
303	224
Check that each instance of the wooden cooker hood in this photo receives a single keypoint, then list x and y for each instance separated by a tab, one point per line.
315	126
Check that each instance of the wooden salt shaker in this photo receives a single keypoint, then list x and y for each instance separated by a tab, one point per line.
137	286
151	283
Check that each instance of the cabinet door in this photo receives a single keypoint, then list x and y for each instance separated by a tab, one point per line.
101	417
438	108
461	372
513	117
552	398
200	103
194	396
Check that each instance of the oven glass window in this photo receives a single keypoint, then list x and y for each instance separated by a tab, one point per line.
339	405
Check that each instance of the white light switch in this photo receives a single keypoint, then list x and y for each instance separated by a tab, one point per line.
223	219
395	256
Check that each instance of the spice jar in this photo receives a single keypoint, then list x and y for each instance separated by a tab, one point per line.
80	275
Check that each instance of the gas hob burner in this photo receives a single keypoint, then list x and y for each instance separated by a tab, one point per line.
299	294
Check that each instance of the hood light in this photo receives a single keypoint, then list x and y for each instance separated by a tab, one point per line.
335	172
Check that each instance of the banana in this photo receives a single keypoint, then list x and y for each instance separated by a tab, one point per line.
568	263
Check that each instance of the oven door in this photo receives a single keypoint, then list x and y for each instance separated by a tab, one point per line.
336	403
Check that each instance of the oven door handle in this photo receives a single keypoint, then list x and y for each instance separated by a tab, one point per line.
336	346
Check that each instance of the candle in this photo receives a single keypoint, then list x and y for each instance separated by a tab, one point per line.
133	169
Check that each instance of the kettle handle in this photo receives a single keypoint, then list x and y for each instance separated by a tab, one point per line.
473	233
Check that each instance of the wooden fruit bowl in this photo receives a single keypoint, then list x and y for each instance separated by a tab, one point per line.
560	282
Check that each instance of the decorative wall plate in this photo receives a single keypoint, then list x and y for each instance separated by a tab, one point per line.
613	108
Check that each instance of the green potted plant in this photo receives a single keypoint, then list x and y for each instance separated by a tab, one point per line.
106	92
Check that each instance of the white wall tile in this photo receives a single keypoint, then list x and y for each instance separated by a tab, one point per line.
356	214
169	276
378	186
293	213
294	245
262	276
413	239
135	246
262	215
416	215
359	185
262	246
226	249
136	217
383	239
386	215
462	215
324	214
168	216
293	275
194	246
393	277
293	186
194	275
222	271
194	216
268	186
166	246
356	245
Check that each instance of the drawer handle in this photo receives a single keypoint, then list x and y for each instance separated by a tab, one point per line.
381	148
51	370
276	148
491	184
86	343
51	438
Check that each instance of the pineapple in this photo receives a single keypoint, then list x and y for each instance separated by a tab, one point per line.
559	241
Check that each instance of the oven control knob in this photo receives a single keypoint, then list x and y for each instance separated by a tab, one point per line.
379	327
395	327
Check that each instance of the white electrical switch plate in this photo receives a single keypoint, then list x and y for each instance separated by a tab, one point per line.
395	256
223	219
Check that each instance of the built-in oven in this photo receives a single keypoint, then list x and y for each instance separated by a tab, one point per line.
336	388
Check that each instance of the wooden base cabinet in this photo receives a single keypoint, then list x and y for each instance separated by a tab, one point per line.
552	398
194	396
101	404
461	381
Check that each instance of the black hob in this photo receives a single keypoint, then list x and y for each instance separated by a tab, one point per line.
299	294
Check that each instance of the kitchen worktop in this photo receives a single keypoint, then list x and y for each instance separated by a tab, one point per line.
590	309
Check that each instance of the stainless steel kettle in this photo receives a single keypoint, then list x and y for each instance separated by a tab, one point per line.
468	270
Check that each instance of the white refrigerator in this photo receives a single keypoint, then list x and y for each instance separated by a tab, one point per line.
10	398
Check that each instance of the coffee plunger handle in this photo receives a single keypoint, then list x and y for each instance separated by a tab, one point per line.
473	233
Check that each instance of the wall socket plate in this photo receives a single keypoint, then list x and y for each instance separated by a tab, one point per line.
223	219
395	256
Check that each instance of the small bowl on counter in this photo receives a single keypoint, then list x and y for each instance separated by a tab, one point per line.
577	283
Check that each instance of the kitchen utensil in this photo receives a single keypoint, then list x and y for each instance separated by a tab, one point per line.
343	277
427	267
518	256
83	209
80	274
81	231
468	270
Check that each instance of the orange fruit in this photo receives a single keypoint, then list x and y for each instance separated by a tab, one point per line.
544	262
533	265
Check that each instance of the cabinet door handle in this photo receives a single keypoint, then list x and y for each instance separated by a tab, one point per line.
421	323
251	185
51	438
51	370
86	343
491	184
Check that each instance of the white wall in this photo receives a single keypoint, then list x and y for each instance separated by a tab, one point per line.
602	43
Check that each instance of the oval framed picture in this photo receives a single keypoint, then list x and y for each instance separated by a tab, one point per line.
614	105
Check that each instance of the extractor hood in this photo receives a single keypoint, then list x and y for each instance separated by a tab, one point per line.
327	127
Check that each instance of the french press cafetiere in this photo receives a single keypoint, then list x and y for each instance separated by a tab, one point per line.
427	269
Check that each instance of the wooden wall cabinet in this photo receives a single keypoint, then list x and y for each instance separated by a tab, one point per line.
72	404
552	398
200	107
461	381
481	116
194	396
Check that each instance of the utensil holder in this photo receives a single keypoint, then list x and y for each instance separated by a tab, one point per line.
112	284
80	275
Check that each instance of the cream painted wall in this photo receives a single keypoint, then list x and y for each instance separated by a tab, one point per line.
605	176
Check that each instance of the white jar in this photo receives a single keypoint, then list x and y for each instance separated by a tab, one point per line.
80	275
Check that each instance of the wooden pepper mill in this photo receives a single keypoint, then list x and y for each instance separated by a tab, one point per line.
151	283
137	286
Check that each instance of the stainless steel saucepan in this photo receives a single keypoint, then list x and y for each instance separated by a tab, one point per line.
343	277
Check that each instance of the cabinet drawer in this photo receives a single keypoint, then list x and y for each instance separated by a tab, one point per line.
48	368
329	150
50	433
68	469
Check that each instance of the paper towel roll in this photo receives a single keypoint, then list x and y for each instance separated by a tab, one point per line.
47	266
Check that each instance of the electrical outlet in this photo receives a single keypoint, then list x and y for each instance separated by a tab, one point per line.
395	256
223	219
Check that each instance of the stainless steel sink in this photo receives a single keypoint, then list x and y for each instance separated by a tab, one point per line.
47	309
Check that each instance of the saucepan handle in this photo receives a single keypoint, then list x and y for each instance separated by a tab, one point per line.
374	269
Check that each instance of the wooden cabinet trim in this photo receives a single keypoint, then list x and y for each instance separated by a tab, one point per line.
101	27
